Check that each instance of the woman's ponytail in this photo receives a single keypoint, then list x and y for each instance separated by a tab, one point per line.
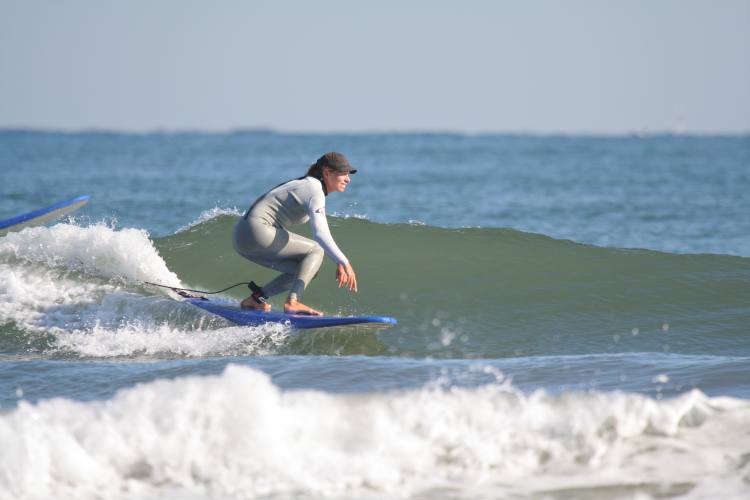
315	170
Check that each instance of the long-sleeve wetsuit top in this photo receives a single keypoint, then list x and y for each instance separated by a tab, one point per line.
296	202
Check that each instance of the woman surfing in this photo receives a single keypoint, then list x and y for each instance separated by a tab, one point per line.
262	235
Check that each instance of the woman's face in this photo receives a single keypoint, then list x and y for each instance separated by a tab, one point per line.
336	182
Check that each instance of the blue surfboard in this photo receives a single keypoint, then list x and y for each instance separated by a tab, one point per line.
42	215
251	317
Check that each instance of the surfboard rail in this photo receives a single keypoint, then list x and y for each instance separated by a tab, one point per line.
250	317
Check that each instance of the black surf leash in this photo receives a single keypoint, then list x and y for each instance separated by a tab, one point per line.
258	294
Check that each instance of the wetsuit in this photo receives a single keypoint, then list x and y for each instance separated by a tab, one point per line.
261	235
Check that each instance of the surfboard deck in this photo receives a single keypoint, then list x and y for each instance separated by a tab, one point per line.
251	317
42	215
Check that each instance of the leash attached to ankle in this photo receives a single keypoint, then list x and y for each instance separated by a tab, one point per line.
258	295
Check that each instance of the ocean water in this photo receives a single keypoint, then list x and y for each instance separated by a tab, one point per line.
574	321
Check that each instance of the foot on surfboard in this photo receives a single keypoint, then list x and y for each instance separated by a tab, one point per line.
252	303
297	307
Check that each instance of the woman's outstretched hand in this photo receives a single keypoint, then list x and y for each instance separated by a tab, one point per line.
345	276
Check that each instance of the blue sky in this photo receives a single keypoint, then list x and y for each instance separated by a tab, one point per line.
542	66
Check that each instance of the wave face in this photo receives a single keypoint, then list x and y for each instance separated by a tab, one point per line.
458	293
501	292
236	435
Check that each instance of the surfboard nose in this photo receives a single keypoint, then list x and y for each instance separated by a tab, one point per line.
42	215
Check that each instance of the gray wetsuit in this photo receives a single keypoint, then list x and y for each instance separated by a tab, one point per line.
261	235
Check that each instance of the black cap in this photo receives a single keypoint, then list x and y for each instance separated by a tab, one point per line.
337	162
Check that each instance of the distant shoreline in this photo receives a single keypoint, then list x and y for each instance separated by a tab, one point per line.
374	132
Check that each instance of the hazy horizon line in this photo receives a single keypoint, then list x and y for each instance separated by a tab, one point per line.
363	132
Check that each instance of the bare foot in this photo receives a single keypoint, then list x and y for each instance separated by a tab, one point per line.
297	307
251	303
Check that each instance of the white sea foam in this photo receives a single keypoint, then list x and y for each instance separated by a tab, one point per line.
346	215
212	213
97	249
43	290
238	436
70	284
136	338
